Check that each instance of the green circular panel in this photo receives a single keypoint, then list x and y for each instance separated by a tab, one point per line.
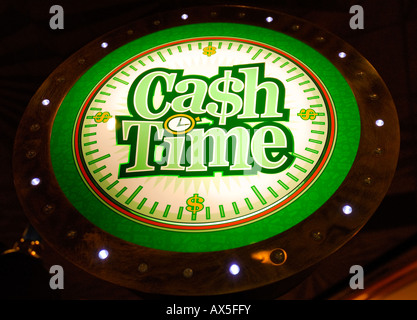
205	137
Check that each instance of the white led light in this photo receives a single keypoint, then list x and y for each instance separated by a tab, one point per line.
111	124
342	55
347	209
379	122
45	102
234	269
184	16
35	181
269	19
104	45
103	254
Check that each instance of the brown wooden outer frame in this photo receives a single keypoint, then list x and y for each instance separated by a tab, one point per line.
207	273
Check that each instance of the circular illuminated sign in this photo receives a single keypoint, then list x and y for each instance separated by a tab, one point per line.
211	136
205	128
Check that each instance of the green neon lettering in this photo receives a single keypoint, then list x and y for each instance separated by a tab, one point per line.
217	136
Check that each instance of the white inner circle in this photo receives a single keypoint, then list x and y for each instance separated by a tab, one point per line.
227	198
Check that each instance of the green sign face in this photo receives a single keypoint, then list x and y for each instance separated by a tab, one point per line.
205	137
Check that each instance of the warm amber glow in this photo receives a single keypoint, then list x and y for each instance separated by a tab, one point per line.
262	256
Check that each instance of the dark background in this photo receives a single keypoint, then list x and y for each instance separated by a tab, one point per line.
30	51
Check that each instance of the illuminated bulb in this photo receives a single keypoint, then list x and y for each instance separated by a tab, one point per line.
35	181
347	209
234	269
269	19
184	16
342	55
111	124
45	102
103	254
104	45
379	122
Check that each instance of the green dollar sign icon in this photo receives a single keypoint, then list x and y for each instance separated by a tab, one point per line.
307	114
195	204
102	117
230	103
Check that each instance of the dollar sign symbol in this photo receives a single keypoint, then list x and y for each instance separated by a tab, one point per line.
219	91
102	117
209	51
307	114
195	204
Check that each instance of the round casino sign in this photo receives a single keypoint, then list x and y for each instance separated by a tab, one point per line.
209	138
